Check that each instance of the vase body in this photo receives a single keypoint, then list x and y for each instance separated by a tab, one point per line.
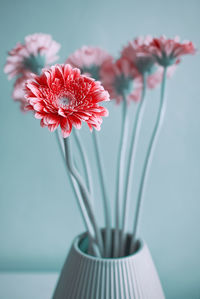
87	277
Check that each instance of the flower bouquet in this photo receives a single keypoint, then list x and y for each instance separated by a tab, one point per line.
108	262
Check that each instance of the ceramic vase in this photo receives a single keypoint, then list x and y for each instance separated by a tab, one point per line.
87	277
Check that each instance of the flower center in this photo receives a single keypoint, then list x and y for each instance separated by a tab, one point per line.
145	65
166	60
34	63
123	85
93	70
64	101
67	100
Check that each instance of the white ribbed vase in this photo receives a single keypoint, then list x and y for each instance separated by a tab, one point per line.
87	277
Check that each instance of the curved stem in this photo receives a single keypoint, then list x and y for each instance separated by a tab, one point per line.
106	202
84	191
87	173
86	165
131	161
61	148
148	159
78	196
120	174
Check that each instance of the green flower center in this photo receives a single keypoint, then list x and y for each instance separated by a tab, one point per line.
93	70
123	85
34	63
145	65
166	60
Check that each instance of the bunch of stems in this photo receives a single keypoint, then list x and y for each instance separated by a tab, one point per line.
85	195
84	190
145	171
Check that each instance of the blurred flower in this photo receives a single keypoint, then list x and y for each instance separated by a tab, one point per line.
62	96
137	52
38	51
89	60
19	91
168	51
121	79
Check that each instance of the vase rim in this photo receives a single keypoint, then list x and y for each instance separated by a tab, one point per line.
80	237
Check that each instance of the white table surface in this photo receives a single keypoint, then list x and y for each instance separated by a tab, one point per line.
27	285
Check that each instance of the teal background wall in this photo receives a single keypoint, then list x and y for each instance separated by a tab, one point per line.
38	213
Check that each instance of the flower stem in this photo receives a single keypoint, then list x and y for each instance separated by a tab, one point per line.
86	165
83	196
87	173
131	161
148	159
93	248
120	174
106	203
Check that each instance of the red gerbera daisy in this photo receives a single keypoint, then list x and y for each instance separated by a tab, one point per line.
62	96
168	51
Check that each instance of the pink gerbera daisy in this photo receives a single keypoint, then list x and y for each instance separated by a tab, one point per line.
89	60
121	79
62	96
137	52
38	51
134	52
168	51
